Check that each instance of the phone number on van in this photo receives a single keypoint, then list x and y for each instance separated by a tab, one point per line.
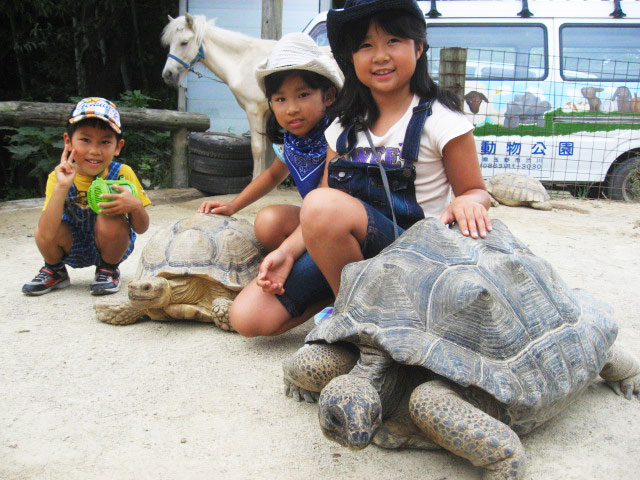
513	166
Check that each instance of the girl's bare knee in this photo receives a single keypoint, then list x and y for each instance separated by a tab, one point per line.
264	226
319	207
326	211
274	224
241	322
251	317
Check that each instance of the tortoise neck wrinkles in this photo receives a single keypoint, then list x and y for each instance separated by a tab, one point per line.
384	374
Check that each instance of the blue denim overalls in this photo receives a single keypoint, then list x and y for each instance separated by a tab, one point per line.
82	222
305	284
364	180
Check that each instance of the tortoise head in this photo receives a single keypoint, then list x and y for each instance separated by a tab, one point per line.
150	292
350	411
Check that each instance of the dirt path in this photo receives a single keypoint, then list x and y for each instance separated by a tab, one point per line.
85	400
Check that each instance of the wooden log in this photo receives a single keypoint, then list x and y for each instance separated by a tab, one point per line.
19	114
453	67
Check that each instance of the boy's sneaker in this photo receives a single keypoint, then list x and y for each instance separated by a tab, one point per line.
46	280
106	281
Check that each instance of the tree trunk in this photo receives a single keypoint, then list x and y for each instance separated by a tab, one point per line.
79	47
124	72
16	51
136	33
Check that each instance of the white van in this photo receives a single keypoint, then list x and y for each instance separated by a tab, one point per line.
555	94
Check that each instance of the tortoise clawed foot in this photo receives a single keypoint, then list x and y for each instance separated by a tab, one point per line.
115	312
627	387
299	394
310	368
622	373
512	468
220	313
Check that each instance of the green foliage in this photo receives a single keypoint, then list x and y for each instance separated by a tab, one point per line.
584	190
135	99
148	152
580	122
34	153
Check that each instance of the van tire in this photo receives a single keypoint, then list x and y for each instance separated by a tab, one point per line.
220	145
624	183
217	185
224	167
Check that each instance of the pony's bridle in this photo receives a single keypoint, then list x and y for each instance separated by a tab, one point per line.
189	66
199	56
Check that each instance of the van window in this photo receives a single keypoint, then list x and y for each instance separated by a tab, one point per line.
500	51
319	34
600	52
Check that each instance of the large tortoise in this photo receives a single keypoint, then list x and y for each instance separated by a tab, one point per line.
445	341
518	189
191	270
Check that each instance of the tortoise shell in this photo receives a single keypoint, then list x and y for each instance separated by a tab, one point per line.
483	313
516	189
216	247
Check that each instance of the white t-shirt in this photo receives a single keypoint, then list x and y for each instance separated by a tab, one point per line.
432	185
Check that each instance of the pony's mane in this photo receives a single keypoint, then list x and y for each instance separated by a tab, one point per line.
199	28
200	24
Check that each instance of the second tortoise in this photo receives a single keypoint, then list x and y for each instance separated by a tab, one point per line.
191	270
517	189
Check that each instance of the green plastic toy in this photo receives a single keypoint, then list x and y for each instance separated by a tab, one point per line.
101	186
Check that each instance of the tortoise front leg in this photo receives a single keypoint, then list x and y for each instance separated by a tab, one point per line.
220	313
467	431
116	312
308	370
622	373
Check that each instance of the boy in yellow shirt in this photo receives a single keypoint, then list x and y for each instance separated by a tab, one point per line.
69	232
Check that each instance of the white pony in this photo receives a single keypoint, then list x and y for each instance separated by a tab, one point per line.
232	57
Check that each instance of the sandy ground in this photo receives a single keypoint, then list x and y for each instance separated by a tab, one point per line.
86	400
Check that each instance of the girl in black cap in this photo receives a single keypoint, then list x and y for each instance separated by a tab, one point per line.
397	151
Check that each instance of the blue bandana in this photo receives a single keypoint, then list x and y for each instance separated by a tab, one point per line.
305	156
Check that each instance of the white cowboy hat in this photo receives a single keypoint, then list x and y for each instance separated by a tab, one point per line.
298	51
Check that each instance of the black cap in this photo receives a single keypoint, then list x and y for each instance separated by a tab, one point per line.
358	9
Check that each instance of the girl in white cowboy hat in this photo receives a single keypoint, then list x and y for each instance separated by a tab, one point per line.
300	81
393	116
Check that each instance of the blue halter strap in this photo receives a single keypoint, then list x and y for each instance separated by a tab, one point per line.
199	56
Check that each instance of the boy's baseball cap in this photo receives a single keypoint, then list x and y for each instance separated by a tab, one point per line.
298	51
97	107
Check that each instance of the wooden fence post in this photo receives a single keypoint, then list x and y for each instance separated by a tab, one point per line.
453	66
271	19
179	166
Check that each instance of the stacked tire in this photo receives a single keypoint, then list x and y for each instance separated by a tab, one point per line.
219	163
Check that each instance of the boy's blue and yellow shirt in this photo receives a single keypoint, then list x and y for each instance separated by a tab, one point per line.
83	182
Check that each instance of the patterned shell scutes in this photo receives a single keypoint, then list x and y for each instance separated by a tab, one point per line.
485	313
216	247
513	187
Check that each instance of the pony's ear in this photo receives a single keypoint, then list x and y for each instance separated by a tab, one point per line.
189	18
170	18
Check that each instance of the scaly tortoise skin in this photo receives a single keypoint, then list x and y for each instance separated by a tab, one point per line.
443	341
517	189
191	270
